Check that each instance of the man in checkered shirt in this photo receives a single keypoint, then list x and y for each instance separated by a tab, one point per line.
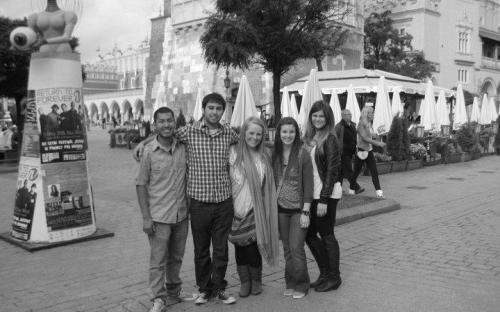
209	189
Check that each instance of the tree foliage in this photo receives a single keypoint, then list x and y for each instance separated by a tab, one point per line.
387	49
14	65
398	141
273	34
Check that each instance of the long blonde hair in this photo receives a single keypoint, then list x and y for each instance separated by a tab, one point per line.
242	149
363	119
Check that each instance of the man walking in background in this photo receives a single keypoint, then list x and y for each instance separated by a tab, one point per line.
347	135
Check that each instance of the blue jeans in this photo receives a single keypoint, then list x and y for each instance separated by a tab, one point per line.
293	237
211	223
168	242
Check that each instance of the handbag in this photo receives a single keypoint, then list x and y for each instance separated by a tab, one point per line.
362	154
243	231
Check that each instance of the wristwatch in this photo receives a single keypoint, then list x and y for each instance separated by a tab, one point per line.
305	212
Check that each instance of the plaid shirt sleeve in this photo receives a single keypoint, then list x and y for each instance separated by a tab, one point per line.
182	134
235	137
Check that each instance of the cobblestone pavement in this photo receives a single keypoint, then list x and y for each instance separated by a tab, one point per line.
440	252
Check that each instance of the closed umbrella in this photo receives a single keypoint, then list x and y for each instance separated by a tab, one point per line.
285	103
460	114
397	106
302	111
428	108
475	113
352	104
382	118
485	116
335	106
244	106
443	116
198	111
294	111
493	110
312	93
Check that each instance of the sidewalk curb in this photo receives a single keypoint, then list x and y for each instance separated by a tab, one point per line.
350	214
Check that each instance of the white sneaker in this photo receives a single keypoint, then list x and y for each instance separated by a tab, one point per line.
288	292
298	295
221	295
158	305
379	193
352	192
202	298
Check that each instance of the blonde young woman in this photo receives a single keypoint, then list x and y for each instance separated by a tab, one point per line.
365	146
254	231
325	154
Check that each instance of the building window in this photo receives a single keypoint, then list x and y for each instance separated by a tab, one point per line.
402	31
463	42
463	76
122	84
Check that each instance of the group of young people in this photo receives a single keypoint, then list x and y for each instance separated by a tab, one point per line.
240	191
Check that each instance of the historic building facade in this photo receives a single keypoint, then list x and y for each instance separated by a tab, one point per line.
176	68
461	37
115	84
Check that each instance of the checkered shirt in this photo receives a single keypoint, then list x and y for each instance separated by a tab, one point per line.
208	161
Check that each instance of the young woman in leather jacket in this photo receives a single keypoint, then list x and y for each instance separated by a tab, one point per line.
325	153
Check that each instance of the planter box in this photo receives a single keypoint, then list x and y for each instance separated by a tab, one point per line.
453	158
476	155
466	156
398	166
415	164
433	162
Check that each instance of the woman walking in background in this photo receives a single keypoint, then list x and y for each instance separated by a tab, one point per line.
254	231
365	153
325	154
293	173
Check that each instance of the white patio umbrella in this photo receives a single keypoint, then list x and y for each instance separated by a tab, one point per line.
475	113
335	106
485	115
285	103
294	111
352	104
460	114
198	111
428	108
443	115
244	105
382	118
312	93
397	106
493	110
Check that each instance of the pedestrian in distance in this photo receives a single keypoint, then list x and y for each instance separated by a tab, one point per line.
365	149
347	136
254	230
325	155
161	192
209	190
292	169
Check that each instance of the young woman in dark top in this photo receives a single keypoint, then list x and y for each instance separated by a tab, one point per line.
325	154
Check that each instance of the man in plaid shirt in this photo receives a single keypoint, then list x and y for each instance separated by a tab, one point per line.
209	188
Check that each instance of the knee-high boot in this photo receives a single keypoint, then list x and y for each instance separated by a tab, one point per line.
333	254
319	254
244	274
256	279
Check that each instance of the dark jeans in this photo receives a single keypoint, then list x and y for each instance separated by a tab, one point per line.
346	170
248	255
324	248
211	223
292	237
371	164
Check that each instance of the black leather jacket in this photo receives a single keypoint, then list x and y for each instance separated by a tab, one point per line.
327	158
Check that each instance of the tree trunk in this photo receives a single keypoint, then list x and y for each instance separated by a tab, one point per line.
276	96
319	64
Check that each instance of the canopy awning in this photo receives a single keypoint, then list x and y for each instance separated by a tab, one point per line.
365	81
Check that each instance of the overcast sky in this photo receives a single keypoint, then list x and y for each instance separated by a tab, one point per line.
103	22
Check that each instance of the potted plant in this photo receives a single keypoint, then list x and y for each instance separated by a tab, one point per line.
384	164
467	138
398	144
418	153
